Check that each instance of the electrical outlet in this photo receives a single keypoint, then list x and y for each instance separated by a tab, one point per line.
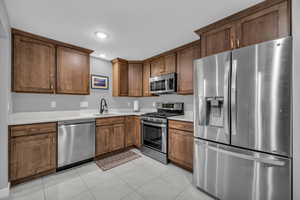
84	104
154	104
128	104
53	104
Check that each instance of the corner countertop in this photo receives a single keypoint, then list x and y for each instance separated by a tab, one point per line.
187	117
54	116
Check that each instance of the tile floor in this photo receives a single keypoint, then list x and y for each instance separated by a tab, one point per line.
141	179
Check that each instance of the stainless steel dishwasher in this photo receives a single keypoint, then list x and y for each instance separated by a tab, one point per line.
76	141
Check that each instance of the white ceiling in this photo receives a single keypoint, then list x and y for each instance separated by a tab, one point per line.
137	29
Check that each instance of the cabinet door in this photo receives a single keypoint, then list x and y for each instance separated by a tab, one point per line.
117	137
33	65
129	131
137	132
120	77
158	66
146	76
31	155
218	40
102	139
73	71
268	24
185	65
135	79
170	63
181	147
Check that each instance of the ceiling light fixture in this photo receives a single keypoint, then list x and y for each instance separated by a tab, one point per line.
101	35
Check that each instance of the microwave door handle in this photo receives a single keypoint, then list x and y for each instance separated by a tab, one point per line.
268	161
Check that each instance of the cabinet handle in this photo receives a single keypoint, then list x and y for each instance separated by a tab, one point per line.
238	43
231	43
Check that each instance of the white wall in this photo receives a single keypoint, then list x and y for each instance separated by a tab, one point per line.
296	97
4	92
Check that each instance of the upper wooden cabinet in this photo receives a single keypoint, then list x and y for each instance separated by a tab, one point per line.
268	24
146	76
135	79
73	71
33	65
120	77
42	65
185	58
164	64
157	66
218	40
268	20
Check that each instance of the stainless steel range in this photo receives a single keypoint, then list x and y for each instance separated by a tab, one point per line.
155	130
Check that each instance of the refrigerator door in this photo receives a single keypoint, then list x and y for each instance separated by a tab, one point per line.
211	97
261	97
231	173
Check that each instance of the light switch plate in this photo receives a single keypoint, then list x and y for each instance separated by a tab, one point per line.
53	104
154	104
84	104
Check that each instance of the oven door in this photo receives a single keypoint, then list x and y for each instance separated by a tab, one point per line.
154	136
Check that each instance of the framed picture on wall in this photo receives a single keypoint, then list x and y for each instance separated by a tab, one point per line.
99	82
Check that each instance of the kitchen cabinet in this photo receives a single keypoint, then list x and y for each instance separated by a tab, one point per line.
135	79
137	132
32	151
180	150
164	64
120	77
117	137
218	40
266	21
268	24
73	71
146	76
102	139
185	58
157	66
42	65
129	129
110	135
33	65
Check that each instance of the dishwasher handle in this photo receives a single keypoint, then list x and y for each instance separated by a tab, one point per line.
72	122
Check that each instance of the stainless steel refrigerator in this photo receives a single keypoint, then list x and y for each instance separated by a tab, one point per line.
242	122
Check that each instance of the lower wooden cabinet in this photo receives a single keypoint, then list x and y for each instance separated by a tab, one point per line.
102	139
117	137
32	152
129	128
137	132
180	148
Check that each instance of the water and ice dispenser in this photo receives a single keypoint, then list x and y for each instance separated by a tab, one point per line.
214	111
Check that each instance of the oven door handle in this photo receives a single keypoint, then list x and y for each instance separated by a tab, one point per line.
154	124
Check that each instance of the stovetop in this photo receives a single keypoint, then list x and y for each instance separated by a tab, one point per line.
160	114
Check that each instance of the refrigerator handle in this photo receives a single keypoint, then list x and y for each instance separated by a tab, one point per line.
202	111
233	98
226	97
248	157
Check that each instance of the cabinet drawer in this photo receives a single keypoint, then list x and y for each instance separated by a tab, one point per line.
23	130
185	126
110	120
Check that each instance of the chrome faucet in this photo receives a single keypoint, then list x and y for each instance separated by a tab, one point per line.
103	106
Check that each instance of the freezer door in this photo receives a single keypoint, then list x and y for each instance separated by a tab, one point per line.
230	173
261	97
211	97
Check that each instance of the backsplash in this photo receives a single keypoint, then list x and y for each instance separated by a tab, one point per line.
23	102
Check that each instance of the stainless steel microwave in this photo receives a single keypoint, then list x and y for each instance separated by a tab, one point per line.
163	84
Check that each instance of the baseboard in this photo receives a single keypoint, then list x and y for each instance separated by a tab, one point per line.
5	191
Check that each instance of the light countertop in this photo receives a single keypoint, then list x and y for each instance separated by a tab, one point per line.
55	116
187	117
